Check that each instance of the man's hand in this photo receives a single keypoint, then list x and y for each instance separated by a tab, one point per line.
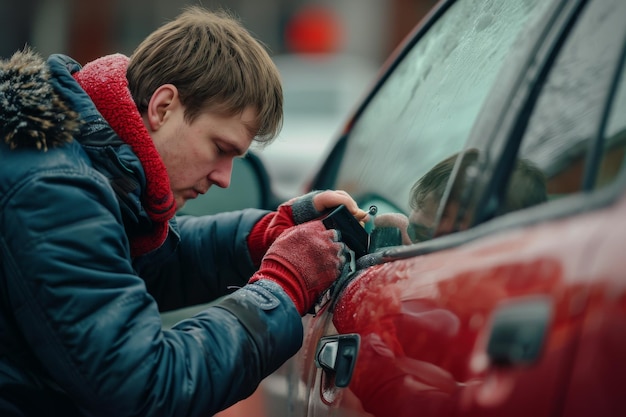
315	204
304	261
298	210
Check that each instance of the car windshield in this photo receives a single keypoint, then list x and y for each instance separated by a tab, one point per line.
425	111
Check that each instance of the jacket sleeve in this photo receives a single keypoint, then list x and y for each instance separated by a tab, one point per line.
211	260
97	332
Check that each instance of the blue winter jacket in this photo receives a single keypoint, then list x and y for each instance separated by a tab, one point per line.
80	326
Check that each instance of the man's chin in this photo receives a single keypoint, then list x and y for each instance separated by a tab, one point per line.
181	201
182	198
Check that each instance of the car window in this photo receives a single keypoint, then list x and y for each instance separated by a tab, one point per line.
424	112
570	109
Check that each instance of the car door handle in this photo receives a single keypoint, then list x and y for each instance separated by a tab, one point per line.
518	331
337	354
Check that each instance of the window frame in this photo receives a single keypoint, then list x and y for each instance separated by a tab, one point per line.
498	137
504	139
508	136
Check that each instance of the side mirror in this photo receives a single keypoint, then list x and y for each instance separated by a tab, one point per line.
249	188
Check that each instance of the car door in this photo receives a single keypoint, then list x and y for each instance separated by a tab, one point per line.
485	318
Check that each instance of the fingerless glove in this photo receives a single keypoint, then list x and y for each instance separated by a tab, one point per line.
295	211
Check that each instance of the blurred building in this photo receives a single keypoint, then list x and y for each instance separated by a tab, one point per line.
86	29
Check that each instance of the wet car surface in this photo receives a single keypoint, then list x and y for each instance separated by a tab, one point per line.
493	146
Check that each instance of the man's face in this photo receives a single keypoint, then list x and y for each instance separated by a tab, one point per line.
200	154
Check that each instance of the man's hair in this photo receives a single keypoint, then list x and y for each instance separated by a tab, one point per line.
215	64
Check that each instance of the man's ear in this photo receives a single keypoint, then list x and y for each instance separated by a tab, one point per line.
163	101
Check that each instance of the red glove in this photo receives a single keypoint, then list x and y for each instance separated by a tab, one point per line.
304	261
298	210
266	230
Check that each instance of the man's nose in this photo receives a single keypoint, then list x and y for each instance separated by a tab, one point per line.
222	173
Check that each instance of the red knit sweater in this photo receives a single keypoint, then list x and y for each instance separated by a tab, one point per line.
104	80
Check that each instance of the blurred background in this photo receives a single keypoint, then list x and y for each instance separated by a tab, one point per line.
328	53
87	29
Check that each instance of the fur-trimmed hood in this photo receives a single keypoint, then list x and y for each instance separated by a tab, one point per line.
32	113
47	103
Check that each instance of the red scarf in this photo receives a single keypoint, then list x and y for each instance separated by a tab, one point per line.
105	82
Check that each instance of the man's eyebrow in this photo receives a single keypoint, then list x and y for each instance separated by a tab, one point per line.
230	147
238	151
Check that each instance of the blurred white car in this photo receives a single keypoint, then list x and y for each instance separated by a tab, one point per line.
320	91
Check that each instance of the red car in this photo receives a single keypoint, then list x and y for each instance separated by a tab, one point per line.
493	147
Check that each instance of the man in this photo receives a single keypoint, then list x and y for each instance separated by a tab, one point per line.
95	162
